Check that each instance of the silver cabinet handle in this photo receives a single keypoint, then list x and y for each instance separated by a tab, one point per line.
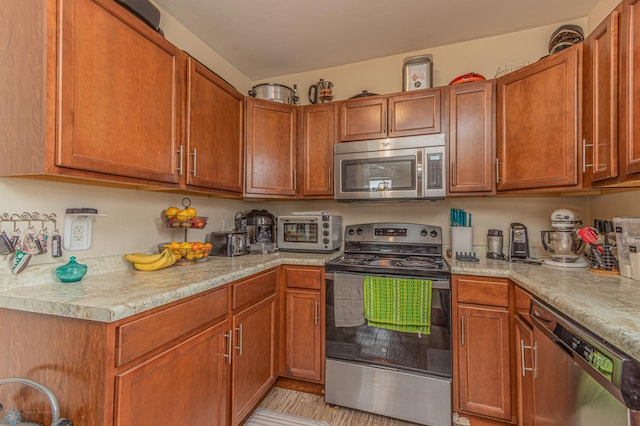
535	359
229	337
584	155
497	170
391	120
179	169
453	173
330	180
195	161
462	330
522	348
316	318
239	347
295	180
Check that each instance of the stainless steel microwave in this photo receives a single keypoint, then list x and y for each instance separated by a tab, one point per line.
393	169
313	232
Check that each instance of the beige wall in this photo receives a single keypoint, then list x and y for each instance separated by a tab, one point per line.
384	75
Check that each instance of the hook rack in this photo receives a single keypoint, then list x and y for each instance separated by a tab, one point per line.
28	218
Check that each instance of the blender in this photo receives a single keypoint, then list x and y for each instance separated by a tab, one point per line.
562	244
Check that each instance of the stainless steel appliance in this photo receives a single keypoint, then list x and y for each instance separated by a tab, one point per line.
580	379
410	168
234	243
275	92
562	243
260	225
310	232
320	92
406	375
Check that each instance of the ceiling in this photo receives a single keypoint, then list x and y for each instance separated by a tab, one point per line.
269	38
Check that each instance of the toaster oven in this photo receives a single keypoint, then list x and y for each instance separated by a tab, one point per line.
313	232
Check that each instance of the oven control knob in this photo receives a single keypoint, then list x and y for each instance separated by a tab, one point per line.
423	233
351	231
359	231
325	233
325	241
434	233
325	225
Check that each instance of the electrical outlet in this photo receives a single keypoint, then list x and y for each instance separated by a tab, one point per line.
77	232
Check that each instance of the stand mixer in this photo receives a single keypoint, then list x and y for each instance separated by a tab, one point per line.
562	243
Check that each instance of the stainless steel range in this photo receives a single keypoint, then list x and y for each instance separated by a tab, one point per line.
377	364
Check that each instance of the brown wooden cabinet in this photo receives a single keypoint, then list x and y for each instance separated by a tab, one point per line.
471	141
254	319
187	384
629	115
538	124
106	108
271	149
406	114
481	348
304	323
214	150
319	132
600	101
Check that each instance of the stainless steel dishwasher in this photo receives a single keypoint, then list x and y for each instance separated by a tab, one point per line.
580	379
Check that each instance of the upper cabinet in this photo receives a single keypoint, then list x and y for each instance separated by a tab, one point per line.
271	148
319	132
471	138
214	153
104	107
538	125
600	101
406	114
629	118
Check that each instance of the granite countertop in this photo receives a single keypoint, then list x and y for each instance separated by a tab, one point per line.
117	291
607	305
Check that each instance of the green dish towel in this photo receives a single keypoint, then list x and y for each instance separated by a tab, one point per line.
400	304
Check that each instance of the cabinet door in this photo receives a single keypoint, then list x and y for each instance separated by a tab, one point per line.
253	365
415	113
120	93
538	123
630	90
319	134
215	144
484	383
600	102
362	119
304	336
185	385
525	372
271	149
471	143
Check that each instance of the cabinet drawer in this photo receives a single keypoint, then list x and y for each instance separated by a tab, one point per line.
254	289
299	277
483	291
150	332
522	302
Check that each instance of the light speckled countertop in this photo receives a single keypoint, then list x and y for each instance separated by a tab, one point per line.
609	306
111	296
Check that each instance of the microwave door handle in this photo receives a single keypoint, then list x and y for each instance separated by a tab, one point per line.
420	172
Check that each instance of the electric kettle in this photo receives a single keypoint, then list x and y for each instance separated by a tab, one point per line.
320	92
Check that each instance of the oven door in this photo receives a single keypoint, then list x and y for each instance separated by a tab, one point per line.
427	353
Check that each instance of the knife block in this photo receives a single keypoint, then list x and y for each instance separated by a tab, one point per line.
461	239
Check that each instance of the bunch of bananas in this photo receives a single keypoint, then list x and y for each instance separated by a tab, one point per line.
151	262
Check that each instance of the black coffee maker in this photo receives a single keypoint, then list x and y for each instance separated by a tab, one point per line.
259	224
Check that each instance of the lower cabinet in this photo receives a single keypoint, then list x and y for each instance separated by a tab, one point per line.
482	357
304	347
187	384
254	357
253	364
